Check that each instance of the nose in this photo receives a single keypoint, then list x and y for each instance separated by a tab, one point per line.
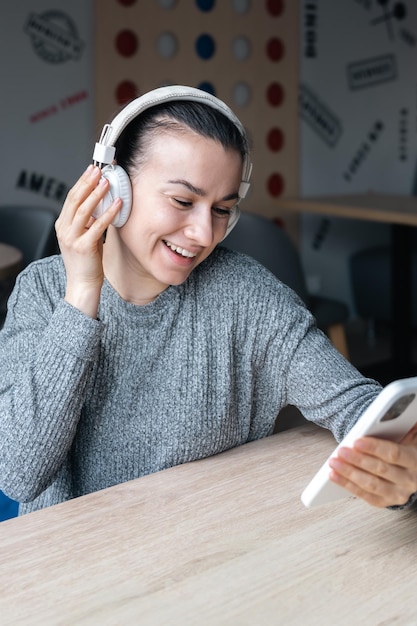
200	226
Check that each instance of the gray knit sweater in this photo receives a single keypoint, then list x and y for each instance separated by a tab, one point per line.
85	404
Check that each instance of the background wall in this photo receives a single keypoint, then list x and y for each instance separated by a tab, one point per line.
244	52
358	121
47	101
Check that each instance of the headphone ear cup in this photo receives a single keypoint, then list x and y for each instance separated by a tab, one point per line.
119	187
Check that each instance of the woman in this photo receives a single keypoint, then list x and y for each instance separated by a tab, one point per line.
159	347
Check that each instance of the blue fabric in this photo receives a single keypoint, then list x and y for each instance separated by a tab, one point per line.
8	508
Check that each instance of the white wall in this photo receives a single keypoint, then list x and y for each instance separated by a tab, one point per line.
358	121
46	107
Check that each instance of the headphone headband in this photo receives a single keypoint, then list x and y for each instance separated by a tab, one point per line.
104	151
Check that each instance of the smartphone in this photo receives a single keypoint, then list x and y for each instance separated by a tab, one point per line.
391	415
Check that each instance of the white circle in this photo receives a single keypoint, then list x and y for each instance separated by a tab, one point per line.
167	45
241	94
241	6
241	48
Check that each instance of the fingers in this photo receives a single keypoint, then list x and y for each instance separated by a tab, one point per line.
381	472
79	234
82	199
81	191
377	493
388	451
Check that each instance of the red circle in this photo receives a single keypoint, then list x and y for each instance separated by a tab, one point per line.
126	3
126	43
275	7
275	49
126	91
275	185
275	139
275	94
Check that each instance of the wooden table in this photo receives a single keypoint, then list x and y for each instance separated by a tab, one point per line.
401	213
10	261
374	207
222	541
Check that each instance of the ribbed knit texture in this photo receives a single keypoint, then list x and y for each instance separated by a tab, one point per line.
85	404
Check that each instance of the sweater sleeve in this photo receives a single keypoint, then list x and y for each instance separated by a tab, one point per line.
295	362
326	388
47	350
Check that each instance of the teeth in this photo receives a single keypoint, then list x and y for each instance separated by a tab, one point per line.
181	251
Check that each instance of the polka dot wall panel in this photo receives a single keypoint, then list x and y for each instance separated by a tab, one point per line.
243	51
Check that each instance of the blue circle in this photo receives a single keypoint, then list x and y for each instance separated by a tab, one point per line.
207	87
205	5
205	46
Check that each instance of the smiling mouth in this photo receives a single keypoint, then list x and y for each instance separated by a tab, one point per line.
180	251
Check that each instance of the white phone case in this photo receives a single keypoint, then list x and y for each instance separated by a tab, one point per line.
390	416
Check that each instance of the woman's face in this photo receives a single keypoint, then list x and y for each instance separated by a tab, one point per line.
182	198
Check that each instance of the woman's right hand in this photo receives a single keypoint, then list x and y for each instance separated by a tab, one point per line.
80	238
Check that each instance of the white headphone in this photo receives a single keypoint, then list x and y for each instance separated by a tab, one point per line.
104	151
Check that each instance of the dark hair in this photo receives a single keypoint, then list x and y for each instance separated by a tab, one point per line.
133	142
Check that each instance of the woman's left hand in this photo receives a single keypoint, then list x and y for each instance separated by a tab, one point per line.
382	473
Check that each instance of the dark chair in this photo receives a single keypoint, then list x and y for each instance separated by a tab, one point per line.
32	230
29	228
370	274
271	245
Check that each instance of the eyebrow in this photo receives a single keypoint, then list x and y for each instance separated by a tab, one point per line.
200	192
